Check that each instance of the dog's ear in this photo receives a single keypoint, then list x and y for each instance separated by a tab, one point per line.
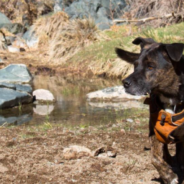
175	51
143	41
130	57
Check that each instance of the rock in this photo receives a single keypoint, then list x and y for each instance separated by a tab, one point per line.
76	152
43	110
130	120
123	131
115	94
31	38
15	73
1	61
102	11
24	88
58	5
14	28
43	95
12	93
13	49
45	7
19	43
4	19
10	98
105	152
19	87
103	22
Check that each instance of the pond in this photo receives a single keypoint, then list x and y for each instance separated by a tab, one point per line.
71	107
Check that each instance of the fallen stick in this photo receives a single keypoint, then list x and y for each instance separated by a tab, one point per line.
144	19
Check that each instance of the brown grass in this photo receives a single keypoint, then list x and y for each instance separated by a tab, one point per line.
64	37
155	8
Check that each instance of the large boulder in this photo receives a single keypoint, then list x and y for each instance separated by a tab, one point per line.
13	97
102	11
13	92
15	73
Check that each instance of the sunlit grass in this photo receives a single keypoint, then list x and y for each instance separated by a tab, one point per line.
100	57
170	34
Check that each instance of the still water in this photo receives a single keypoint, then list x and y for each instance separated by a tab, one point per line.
71	106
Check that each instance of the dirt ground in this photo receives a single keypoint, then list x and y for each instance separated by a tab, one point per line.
35	154
31	154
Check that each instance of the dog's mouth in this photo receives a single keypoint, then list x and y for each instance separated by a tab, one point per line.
137	92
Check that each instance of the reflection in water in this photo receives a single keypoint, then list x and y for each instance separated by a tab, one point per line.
43	109
118	105
72	107
16	116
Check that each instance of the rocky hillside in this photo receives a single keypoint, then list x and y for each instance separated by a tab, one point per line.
80	35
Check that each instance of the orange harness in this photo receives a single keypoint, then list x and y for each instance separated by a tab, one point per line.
168	127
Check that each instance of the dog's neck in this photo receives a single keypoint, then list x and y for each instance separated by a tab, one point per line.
172	105
169	103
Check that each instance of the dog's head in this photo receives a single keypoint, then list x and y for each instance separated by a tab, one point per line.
157	68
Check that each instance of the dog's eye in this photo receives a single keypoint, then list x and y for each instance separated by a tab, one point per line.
150	67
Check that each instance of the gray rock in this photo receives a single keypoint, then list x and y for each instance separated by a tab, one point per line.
15	73
10	98
24	88
102	11
1	61
58	5
31	38
4	19
103	23
14	28
19	87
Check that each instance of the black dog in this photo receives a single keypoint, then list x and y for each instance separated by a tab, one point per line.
159	71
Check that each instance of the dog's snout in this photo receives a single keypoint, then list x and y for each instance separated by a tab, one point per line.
126	83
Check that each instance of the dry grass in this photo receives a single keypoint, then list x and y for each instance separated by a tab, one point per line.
3	34
64	37
74	36
155	8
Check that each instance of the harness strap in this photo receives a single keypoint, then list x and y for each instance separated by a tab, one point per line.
168	128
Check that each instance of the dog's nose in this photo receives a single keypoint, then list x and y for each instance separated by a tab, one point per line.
126	83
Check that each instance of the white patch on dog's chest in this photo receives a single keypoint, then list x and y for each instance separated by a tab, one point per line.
166	100
169	104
